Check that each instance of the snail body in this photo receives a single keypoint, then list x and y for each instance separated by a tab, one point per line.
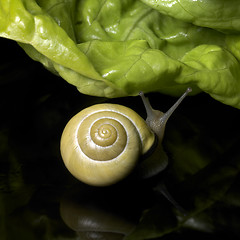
101	144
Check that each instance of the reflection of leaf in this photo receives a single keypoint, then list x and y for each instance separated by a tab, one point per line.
3	231
14	191
200	222
199	192
155	222
185	146
232	197
208	186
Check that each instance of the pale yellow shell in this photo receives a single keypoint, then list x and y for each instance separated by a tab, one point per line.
101	144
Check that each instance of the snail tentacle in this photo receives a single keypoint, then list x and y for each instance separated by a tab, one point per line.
156	119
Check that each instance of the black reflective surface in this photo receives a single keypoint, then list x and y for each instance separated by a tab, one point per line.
39	199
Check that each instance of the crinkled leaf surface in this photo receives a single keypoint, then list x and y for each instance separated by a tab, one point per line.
116	48
218	14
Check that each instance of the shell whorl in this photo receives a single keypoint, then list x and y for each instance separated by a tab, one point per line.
101	144
101	137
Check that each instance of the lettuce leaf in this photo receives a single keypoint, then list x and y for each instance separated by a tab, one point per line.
218	14
115	48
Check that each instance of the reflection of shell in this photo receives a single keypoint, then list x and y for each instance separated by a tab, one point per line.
101	144
91	222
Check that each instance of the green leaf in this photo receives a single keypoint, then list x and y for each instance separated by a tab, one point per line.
25	22
117	48
218	14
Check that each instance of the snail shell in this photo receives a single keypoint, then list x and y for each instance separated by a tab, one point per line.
102	143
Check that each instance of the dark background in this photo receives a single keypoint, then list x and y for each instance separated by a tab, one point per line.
35	105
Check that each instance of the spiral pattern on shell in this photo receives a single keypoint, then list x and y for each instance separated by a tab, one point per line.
101	144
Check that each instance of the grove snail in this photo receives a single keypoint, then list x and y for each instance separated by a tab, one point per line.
101	144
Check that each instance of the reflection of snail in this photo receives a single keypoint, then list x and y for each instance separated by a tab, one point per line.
94	222
101	144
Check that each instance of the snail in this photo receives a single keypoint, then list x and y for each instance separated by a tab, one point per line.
102	144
